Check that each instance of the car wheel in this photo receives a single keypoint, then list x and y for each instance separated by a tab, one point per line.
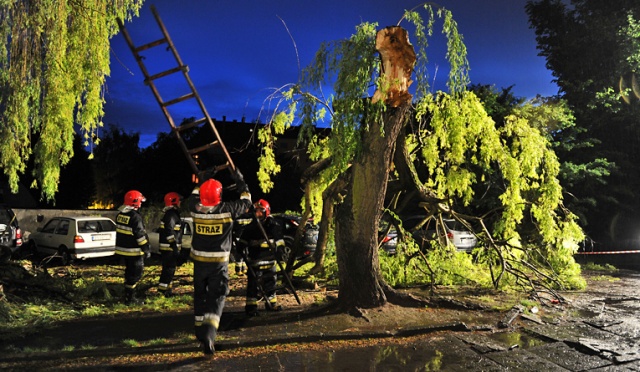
65	256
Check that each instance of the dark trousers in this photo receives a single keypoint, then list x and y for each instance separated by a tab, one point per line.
169	264
133	268
265	275
210	290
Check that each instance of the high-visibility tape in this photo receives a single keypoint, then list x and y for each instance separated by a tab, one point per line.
609	252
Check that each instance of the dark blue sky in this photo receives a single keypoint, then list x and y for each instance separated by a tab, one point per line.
238	51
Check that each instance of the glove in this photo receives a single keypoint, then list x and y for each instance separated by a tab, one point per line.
176	251
237	176
147	255
183	257
147	251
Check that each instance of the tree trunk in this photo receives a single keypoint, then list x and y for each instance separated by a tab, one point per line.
361	283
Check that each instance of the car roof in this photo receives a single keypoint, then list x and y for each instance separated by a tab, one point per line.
83	218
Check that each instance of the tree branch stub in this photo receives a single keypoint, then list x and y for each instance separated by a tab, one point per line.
398	59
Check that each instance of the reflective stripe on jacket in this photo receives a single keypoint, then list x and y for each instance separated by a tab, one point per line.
170	231
213	227
131	236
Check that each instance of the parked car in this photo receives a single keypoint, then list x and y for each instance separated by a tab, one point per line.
10	233
290	224
454	232
387	237
187	234
75	238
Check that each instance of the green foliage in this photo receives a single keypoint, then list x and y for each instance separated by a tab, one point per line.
592	49
458	150
54	59
131	343
409	268
597	267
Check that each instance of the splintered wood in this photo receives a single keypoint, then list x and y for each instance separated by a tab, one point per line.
398	59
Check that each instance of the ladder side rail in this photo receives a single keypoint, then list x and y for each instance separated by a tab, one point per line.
185	72
156	94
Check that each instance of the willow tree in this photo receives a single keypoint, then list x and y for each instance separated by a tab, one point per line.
441	148
53	63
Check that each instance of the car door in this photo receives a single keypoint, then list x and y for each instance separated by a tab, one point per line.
60	236
45	238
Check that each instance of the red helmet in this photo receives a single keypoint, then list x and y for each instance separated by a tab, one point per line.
264	206
211	193
171	199
134	198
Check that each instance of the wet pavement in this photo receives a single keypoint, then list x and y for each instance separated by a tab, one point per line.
594	330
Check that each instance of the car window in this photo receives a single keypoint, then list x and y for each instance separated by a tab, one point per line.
63	227
95	226
87	226
455	225
50	227
6	217
106	225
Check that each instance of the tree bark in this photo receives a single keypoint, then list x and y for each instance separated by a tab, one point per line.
361	283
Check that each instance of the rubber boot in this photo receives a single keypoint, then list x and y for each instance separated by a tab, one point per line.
131	298
206	334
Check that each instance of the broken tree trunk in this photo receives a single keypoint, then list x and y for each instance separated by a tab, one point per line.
361	283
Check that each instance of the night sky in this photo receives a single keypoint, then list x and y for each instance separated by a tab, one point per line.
239	51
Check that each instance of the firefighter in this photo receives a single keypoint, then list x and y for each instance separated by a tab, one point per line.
213	221
261	281
132	243
170	239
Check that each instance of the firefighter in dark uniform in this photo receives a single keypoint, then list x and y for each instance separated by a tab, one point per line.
170	235
211	243
262	258
132	243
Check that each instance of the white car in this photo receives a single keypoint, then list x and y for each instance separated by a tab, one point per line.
75	238
187	228
456	234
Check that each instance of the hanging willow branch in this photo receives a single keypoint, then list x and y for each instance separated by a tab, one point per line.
53	63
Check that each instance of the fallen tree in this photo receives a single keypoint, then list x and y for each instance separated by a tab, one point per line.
440	150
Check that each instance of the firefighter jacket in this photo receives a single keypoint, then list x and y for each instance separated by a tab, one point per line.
213	226
259	248
170	232
131	236
241	223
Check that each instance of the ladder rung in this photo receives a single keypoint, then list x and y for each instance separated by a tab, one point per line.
179	99
205	147
191	124
165	73
151	45
221	167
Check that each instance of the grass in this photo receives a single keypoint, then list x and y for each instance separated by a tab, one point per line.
63	293
596	267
